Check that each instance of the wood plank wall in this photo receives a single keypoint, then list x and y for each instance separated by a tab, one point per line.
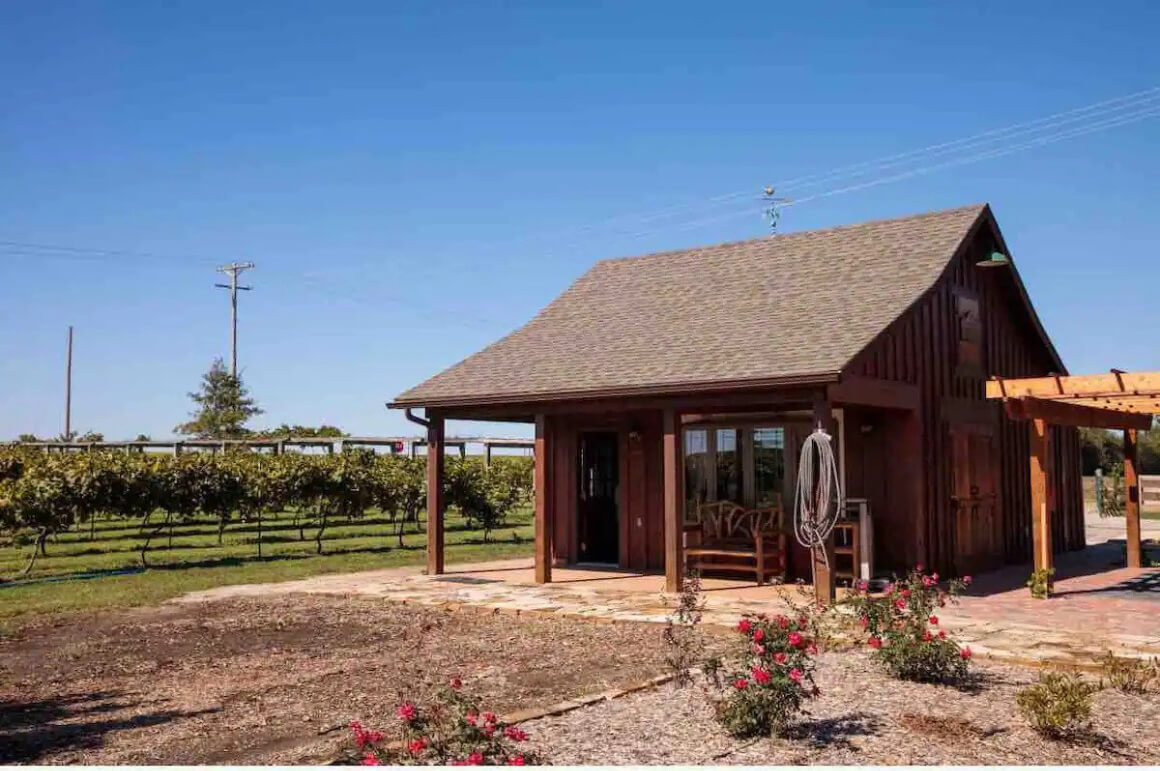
921	348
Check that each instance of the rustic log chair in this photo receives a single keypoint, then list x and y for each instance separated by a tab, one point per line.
737	539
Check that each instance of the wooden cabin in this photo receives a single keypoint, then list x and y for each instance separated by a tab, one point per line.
662	383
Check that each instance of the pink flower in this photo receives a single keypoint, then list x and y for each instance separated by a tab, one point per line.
795	639
783	622
812	650
900	603
780	657
370	759
744	625
471	718
515	734
965	653
875	642
417	745
407	712
475	759
489	717
456	683
760	676
942	635
933	620
795	674
489	729
516	760
758	634
967	580
920	567
740	683
758	650
905	592
926	636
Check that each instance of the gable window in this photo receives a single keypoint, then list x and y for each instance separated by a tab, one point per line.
970	333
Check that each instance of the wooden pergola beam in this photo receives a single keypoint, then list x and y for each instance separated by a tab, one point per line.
1111	384
1069	414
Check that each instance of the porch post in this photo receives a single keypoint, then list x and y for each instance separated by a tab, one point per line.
543	490
1132	498
822	558
1040	512
434	495
674	503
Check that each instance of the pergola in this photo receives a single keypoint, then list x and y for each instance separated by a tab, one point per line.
1116	400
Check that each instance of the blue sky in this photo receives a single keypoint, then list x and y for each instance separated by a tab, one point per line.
416	179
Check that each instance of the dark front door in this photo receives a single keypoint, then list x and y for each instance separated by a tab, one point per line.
598	520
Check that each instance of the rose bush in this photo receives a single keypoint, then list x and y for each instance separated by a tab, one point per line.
902	627
775	678
451	731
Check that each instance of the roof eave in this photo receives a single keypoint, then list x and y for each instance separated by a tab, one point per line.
673	389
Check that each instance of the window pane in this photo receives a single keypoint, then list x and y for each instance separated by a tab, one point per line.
728	466
768	465
696	468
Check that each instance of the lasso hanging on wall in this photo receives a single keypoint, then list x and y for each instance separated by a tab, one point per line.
819	498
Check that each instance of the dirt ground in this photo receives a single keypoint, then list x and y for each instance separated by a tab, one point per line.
862	717
276	680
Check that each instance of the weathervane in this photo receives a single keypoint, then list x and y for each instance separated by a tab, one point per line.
773	205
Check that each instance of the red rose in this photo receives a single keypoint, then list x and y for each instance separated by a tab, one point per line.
933	620
965	653
926	636
942	635
489	717
475	759
783	622
905	592
370	759
407	711
900	603
780	657
417	745
456	683
875	642
967	580
740	683
516	760
795	674
744	625
919	567
760	676
758	634
795	639
515	734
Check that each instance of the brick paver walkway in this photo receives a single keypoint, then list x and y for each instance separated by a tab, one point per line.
1088	617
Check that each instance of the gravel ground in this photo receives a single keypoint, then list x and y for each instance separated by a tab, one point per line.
267	680
863	717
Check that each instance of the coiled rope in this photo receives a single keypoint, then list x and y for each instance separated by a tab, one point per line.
819	499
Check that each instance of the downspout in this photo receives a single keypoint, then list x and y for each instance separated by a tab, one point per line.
415	418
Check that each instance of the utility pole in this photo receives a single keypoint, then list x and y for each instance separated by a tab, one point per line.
234	270
68	388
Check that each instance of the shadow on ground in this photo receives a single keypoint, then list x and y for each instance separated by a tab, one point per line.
31	730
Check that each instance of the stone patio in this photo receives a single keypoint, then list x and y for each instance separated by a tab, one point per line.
1097	607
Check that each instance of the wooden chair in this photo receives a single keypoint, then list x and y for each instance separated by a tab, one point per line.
736	539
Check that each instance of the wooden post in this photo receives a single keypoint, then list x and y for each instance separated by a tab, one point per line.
1040	513
544	514
822	557
434	496
674	503
487	454
1132	498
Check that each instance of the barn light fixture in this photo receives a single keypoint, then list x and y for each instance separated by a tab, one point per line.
994	260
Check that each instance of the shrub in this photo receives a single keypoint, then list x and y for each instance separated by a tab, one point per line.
1130	675
451	731
1059	706
683	643
1040	583
776	677
902	628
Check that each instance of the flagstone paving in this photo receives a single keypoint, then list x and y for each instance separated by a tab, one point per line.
1091	614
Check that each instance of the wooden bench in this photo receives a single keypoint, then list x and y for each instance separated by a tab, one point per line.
736	539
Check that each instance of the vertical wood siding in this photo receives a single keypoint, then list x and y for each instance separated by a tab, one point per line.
921	348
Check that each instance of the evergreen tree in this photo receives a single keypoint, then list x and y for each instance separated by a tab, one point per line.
223	406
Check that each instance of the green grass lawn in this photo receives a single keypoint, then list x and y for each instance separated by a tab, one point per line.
196	561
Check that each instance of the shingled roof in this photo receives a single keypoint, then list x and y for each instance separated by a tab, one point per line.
782	308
